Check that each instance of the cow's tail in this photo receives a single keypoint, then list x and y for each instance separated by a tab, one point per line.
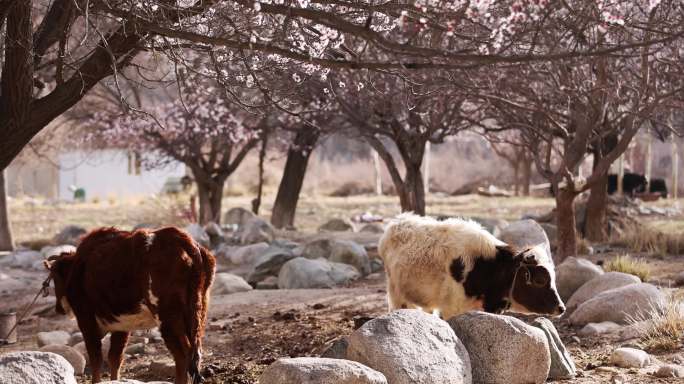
203	264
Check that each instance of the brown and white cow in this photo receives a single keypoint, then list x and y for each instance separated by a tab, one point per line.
120	281
453	266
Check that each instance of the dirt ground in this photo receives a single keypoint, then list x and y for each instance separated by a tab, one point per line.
248	331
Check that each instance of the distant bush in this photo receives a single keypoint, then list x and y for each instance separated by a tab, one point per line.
650	240
626	264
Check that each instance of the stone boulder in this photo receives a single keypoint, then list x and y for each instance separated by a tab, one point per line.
269	264
227	283
525	233
410	346
312	370
52	338
129	381
339	251
216	235
240	260
503	349
337	225
238	217
74	357
670	370
71	234
257	230
573	273
25	259
373	228
629	358
551	233
315	273
598	284
562	364
492	226
35	368
619	304
198	234
106	343
595	329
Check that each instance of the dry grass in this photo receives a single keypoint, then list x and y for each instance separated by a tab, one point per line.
651	240
662	328
583	246
626	264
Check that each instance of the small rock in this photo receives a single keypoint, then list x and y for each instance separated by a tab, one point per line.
198	234
26	260
617	305
162	368
337	350
492	226
215	233
71	234
572	274
270	282
376	265
257	230
227	283
80	347
670	370
551	231
619	378
313	370
136	349
269	264
595	329
339	251
598	284
75	338
629	358
679	279
53	337
373	228
74	357
35	368
337	225
238	216
503	349
410	346
562	365
318	273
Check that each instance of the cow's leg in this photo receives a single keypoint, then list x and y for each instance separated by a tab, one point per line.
93	344
116	351
173	332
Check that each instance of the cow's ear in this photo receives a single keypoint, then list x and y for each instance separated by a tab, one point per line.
48	264
505	253
527	257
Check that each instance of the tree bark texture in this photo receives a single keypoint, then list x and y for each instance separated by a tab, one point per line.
6	241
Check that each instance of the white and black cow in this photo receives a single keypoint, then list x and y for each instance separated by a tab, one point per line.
453	266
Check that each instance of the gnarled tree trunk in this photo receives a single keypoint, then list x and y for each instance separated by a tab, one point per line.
412	190
210	194
565	220
595	221
6	242
285	205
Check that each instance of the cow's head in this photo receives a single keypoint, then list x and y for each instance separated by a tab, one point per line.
60	267
534	284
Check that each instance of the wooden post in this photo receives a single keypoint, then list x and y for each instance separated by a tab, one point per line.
649	158
378	175
621	173
426	171
675	167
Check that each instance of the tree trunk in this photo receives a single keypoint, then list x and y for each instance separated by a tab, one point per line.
412	191
256	203
516	178
285	205
210	195
595	221
526	175
565	220
6	242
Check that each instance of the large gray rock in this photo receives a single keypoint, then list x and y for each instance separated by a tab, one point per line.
71	234
35	368
74	357
227	283
573	273
337	225
257	230
198	234
238	216
215	233
106	343
503	349
240	260
525	233
269	264
315	273
373	228
595	329
598	284
410	346
340	251
562	365
25	259
492	226
52	338
313	370
619	304
551	233
629	358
